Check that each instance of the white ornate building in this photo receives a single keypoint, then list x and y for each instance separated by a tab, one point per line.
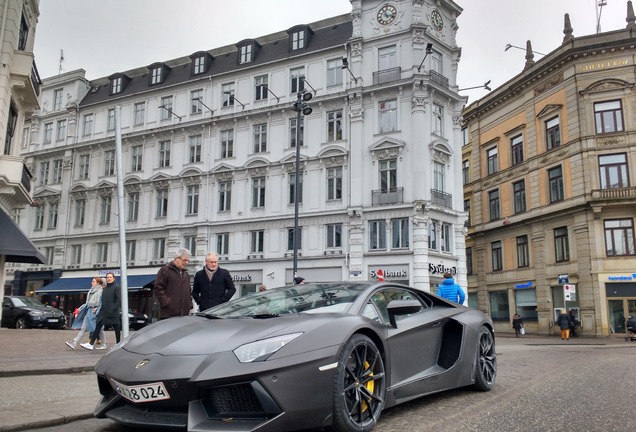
209	149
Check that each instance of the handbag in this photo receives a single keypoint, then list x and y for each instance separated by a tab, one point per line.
522	331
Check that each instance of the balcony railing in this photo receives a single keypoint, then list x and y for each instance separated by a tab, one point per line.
441	198
440	79
388	196
387	75
614	193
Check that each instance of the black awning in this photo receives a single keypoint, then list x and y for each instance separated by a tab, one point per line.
15	245
76	285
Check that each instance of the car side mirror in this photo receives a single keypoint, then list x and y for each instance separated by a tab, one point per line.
402	307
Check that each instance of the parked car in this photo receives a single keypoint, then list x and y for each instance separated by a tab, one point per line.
136	320
23	312
296	357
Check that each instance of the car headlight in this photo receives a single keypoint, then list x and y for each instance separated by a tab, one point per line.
262	349
36	313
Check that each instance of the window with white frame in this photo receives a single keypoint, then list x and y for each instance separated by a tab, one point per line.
109	162
377	234
116	85
388	175
76	254
80	212
493	201
102	253
155	75
194	146
613	171
227	94
162	204
133	206
293	132
164	154
291	238
387	113
61	130
496	255
257	239
608	116
466	171
439	176
39	217
139	113
446	239
523	251
196	96
561	244
166	108
334	183
158	248
190	243
292	188
227	143
53	213
57	171
297	76
44	173
619	237
192	200
48	133
110	120
400	233
245	54
131	249
519	191
223	244
84	166
57	99
436	62
260	87
516	149
387	58
105	209
298	40
260	138
334	236
88	125
493	160
136	157
334	72
553	133
334	125
199	65
555	178
258	192
225	196
438	120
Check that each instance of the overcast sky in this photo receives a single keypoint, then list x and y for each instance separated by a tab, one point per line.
108	36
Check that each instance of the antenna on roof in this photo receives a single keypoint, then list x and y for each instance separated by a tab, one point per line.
599	12
61	60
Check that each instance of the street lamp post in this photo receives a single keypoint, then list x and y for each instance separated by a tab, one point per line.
301	107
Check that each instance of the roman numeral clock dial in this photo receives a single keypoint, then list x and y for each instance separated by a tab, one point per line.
387	14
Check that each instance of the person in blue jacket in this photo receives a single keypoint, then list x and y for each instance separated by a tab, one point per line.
450	290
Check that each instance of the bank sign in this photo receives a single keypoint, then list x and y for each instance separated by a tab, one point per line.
441	269
389	274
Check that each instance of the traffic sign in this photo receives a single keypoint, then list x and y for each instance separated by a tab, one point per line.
569	291
563	279
569	287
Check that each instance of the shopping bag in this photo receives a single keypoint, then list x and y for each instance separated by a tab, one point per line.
522	330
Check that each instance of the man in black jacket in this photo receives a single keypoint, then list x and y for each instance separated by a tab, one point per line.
212	285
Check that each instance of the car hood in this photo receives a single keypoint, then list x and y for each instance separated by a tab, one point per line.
203	336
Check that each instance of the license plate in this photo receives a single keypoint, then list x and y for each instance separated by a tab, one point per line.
140	321
142	393
53	320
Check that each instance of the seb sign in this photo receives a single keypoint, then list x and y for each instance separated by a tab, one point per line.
388	273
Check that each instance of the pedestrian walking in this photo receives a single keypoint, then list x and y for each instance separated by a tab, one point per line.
212	284
172	287
109	314
573	323
450	290
563	321
517	324
86	318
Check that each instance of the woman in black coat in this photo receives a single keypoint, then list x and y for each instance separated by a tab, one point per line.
109	314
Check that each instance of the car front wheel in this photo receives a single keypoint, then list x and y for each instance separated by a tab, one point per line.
486	362
21	323
359	388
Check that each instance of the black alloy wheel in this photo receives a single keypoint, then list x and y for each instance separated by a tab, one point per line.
360	387
21	323
486	364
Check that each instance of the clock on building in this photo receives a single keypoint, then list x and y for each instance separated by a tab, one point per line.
387	14
437	20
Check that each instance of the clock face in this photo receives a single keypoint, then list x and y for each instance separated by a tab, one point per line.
387	14
436	19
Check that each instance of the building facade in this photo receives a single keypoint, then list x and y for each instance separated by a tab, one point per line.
548	166
19	91
209	155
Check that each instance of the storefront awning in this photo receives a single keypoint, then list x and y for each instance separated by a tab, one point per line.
78	285
15	245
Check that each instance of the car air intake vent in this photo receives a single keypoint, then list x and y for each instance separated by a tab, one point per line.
235	401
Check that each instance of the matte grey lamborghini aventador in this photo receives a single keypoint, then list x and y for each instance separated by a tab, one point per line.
329	355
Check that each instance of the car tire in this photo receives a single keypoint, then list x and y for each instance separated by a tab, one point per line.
360	387
21	323
486	361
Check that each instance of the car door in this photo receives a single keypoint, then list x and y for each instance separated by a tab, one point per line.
7	313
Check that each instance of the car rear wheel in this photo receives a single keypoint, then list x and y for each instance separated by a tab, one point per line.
21	323
486	363
360	388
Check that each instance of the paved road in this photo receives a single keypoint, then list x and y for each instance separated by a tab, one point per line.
581	385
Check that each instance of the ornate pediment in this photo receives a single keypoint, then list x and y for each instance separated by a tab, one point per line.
607	85
549	109
387	148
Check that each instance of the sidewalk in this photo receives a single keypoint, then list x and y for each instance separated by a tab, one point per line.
45	383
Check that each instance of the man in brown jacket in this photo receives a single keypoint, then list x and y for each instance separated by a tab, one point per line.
172	286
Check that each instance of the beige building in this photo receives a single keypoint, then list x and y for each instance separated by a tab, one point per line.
19	90
549	171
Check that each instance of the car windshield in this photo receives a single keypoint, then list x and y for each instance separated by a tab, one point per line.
304	298
26	301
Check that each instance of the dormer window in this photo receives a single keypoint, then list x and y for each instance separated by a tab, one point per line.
247	50
299	37
118	83
158	73
201	62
